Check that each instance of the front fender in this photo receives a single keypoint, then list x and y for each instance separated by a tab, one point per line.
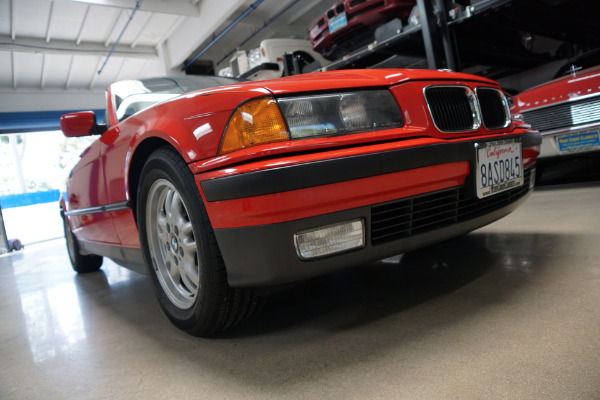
193	124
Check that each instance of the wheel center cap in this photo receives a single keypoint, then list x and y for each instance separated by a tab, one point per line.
174	243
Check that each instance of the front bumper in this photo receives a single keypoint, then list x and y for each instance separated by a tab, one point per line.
265	255
551	147
258	246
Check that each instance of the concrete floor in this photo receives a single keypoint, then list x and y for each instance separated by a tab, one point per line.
510	311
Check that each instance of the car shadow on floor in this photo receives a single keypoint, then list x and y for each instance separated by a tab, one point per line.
359	296
355	297
341	301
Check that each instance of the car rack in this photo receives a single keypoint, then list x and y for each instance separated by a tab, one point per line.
396	45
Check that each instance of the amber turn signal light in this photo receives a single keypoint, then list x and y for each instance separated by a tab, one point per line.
256	122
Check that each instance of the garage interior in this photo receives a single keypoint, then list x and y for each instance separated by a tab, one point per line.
508	311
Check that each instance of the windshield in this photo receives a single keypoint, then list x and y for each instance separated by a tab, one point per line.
136	95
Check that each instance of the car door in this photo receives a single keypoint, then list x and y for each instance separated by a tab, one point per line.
114	154
87	197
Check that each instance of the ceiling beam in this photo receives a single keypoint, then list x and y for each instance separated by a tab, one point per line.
13	22
158	6
70	73
49	25
120	71
71	48
95	75
141	30
43	77
14	69
85	17
117	15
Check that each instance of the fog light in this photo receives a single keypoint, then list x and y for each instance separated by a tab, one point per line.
330	239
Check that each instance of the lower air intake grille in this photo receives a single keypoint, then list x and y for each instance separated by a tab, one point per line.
423	213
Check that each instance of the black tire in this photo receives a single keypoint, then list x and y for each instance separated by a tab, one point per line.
81	263
181	252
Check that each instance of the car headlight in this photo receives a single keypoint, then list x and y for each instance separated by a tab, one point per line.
255	122
254	57
340	113
267	120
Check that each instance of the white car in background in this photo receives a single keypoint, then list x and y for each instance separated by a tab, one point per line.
267	60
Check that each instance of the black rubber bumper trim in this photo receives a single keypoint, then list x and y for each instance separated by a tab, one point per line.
120	206
326	172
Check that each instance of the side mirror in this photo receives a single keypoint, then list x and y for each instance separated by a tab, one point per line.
82	123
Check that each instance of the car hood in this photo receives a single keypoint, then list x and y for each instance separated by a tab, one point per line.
334	80
357	79
585	83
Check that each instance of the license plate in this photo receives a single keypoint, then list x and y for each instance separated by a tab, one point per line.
338	22
578	141
499	167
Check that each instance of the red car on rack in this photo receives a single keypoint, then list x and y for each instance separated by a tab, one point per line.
566	110
216	190
348	19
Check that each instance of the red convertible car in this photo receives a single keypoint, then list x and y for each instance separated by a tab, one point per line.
217	190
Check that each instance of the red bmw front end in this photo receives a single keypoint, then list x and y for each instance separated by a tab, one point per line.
415	158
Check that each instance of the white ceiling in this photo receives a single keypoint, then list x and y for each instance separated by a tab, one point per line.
51	51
